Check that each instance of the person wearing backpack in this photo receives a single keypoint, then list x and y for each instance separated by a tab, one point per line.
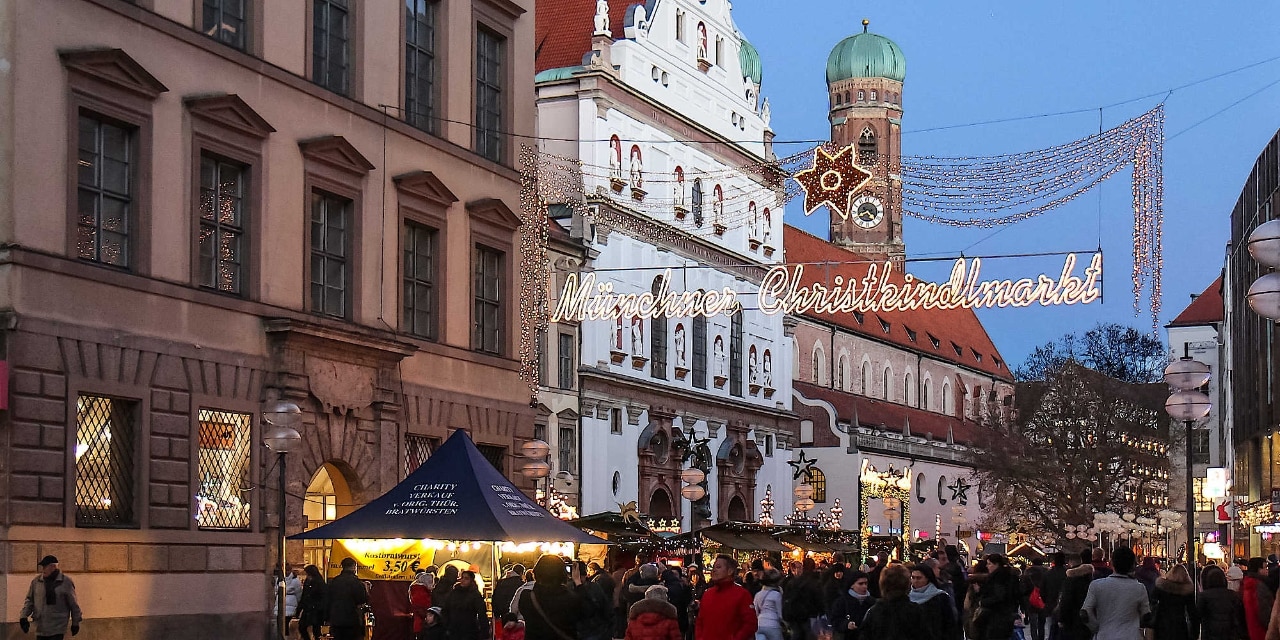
802	600
768	605
1033	600
1258	599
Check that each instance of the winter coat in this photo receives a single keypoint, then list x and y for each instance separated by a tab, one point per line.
1221	615
1052	588
651	619
725	613
346	594
1032	579
313	605
899	619
802	600
51	619
562	605
959	579
1257	598
680	594
292	591
1074	589
942	610
465	617
596	621
846	609
503	591
768	605
999	600
1176	616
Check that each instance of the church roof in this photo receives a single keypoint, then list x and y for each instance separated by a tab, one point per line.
953	335
866	55
890	416
562	30
1207	308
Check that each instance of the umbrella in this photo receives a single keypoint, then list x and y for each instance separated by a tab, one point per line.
455	495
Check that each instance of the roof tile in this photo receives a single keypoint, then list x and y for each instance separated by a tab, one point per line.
1206	308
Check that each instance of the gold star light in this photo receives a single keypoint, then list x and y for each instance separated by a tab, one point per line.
833	180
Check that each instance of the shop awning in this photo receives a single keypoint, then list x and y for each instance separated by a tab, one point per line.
742	540
455	495
808	545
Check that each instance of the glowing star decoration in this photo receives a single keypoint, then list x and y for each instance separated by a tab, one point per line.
833	180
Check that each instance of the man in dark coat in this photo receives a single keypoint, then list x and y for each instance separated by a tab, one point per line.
1000	598
873	576
505	590
1032	579
1052	589
465	617
895	615
956	573
803	599
1075	586
346	595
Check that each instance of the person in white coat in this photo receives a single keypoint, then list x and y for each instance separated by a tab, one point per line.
768	606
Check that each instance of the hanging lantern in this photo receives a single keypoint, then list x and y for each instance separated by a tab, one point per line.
693	492
804	504
804	491
535	449
693	475
535	470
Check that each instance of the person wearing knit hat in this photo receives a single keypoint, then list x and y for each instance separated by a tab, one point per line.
51	602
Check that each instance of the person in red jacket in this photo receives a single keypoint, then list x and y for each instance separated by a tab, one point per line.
420	599
653	617
725	612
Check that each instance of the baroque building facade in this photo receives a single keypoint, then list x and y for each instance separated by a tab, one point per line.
660	103
323	214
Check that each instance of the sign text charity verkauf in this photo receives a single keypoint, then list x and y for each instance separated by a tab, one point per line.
782	291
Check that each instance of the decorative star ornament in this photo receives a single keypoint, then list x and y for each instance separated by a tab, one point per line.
960	491
833	180
802	466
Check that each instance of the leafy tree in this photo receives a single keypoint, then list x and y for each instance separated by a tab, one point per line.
1114	350
1080	443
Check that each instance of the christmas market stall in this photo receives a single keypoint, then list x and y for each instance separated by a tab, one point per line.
631	536
745	541
456	508
819	543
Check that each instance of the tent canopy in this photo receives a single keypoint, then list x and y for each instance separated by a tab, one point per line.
455	495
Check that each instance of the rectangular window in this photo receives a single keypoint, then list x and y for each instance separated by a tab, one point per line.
566	358
224	21
420	64
615	420
719	51
489	84
331	45
225	445
735	355
768	445
223	187
106	442
1200	446
487	319
497	456
700	352
679	25
543	358
568	447
417	448
107	157
419	280
330	222
540	431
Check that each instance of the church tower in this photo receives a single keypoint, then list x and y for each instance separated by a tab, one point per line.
864	85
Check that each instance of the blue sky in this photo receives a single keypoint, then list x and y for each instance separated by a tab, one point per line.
971	62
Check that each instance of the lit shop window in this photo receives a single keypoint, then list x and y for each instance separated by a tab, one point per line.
105	455
225	446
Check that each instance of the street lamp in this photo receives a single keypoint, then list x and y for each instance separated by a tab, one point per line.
693	490
283	439
536	467
1264	246
1185	375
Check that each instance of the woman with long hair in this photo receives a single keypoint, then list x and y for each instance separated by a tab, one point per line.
1173	599
926	592
312	605
1221	610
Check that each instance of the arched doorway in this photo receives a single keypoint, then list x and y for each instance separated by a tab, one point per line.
737	510
328	498
660	505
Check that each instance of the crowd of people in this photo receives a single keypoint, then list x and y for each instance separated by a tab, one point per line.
1079	596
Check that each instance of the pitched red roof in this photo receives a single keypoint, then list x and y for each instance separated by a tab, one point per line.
960	337
1206	308
888	416
562	30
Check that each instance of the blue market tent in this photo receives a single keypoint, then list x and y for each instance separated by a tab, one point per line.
455	495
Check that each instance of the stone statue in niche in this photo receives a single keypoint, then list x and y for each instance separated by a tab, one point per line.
768	369
615	158
637	168
680	361
765	113
753	368
637	337
721	368
602	19
702	41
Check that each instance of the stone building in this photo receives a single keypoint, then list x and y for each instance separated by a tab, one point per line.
204	204
661	105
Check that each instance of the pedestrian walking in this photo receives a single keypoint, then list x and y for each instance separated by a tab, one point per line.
292	591
313	605
768	605
432	625
1220	609
1074	589
347	594
51	602
596	622
505	589
850	608
725	610
998	600
1033	603
937	604
1173	602
803	601
1258	599
894	615
1052	590
1116	604
551	608
653	617
465	617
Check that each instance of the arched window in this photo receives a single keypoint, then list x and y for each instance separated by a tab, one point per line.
887	383
862	95
907	384
867	147
866	378
697	202
924	394
658	338
817	364
846	97
679	187
946	398
735	354
840	373
873	95
700	352
818	480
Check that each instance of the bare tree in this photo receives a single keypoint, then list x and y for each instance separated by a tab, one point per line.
1114	350
1080	443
